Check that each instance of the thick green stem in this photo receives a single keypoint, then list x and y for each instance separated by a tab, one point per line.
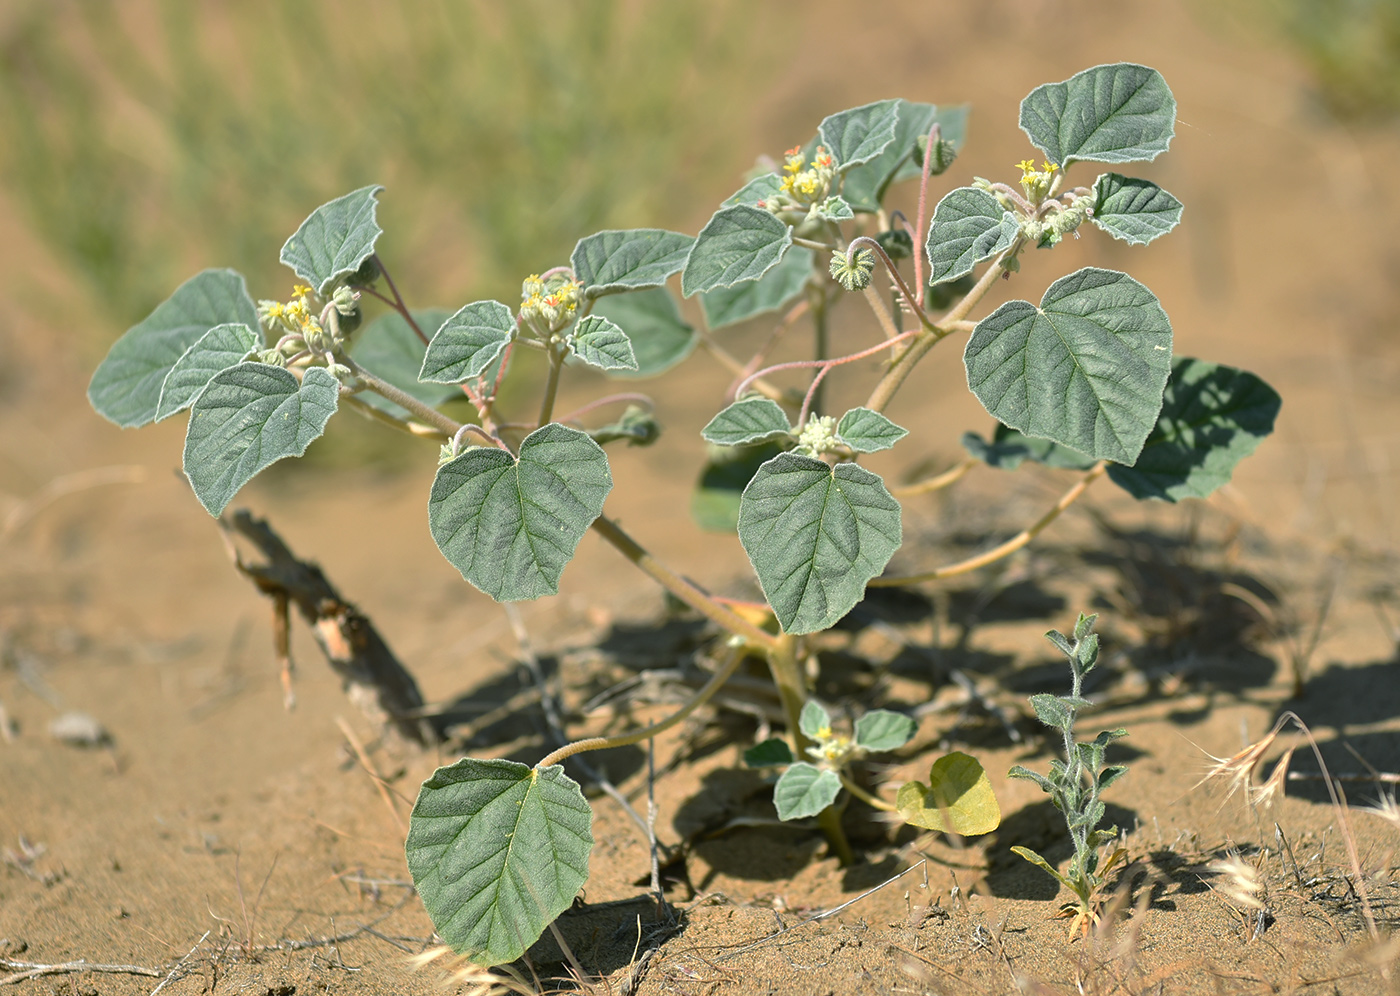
821	336
551	386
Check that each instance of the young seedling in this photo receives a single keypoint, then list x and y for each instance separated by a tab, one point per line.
1084	380
1076	783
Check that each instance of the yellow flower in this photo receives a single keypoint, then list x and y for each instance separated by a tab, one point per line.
1048	167
300	290
1026	166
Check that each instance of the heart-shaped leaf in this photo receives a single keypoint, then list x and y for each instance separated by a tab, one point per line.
467	343
334	239
804	790
718	495
614	261
752	420
497	851
599	343
737	244
958	798
511	525
1136	211
968	226
1109	114
218	349
815	535
125	388
1085	369
731	305
248	417
866	431
860	134
1212	418
660	337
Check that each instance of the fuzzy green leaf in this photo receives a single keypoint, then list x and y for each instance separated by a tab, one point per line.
389	348
1212	418
739	243
1036	859
1050	710
957	799
864	186
968	226
248	417
1021	771
718	494
835	208
497	851
125	388
1109	114
756	191
1084	625
1009	448
769	754
335	239
615	261
815	535
510	526
804	790
1111	774
730	305
218	349
636	425
1136	211
881	730
1086	369
660	337
752	420
814	721
467	343
598	342
860	134
866	431
1061	644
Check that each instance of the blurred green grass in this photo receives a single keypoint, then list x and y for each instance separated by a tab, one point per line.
145	140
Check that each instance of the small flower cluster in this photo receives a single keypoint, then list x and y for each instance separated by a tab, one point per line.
549	304
1036	182
818	436
852	269
800	188
833	749
297	329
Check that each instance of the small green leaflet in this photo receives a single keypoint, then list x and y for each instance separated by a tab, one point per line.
660	337
218	349
1109	114
1051	710
860	134
497	851
864	186
614	261
731	305
715	502
752	420
388	348
510	526
968	226
1085	369
248	417
1212	418
815	535
882	730
866	431
771	753
756	191
467	343
335	239
737	244
814	721
1009	448
599	343
805	790
125	388
1136	211
835	208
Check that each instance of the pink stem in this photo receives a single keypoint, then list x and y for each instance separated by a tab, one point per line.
934	134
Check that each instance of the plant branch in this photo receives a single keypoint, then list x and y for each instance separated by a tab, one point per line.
731	363
415	429
611	399
403	399
722	674
1005	549
551	386
936	483
934	135
681	588
874	801
866	242
399	306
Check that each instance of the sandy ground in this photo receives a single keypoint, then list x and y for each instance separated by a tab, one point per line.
217	828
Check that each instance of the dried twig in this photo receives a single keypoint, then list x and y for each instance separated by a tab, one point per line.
25	970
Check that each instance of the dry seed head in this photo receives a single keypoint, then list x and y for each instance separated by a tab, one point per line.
1238	769
1239	880
1386	808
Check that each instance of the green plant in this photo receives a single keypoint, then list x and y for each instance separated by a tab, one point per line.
1085	380
1076	783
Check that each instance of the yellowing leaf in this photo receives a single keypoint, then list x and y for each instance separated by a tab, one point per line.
958	798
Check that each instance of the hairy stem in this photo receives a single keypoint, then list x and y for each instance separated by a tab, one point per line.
551	386
399	306
934	134
683	589
403	399
936	483
728	666
821	343
1005	549
416	429
874	801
